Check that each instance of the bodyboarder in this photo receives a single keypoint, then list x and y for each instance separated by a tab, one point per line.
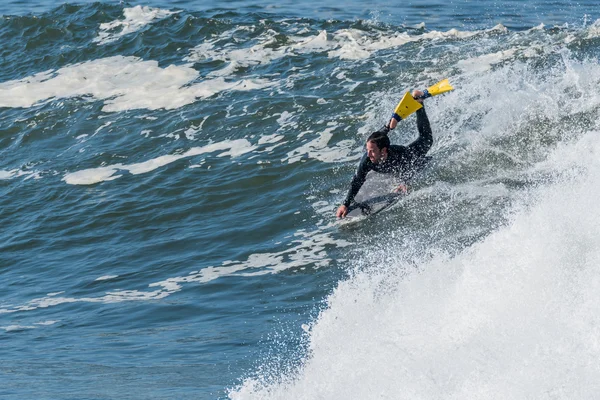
380	156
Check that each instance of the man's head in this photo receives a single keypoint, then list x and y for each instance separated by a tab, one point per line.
377	147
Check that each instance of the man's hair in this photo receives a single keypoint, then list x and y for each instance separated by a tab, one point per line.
380	139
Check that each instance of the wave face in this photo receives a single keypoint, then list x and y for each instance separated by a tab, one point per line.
169	179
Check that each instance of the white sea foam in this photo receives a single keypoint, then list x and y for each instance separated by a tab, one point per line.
484	63
46	323
286	120
123	83
90	176
318	149
354	44
267	139
594	30
106	277
533	49
13	328
307	248
14	173
135	19
4	175
351	44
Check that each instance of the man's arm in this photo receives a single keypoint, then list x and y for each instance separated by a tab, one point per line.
421	146
357	181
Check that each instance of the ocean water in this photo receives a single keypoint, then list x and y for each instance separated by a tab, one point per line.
169	174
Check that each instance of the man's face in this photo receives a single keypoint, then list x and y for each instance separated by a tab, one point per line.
375	154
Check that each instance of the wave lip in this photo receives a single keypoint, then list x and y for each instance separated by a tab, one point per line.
513	316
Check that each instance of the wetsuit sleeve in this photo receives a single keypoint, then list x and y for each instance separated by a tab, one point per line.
421	146
357	181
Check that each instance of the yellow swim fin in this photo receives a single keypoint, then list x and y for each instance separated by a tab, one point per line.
407	106
442	86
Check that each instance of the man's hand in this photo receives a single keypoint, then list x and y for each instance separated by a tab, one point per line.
401	189
392	123
416	94
342	211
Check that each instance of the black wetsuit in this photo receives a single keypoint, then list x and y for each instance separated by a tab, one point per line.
401	160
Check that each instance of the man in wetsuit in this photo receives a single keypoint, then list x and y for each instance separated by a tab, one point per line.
385	158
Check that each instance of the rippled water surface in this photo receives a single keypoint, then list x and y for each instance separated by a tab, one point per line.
169	175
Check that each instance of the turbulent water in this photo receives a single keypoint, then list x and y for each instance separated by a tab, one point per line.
169	179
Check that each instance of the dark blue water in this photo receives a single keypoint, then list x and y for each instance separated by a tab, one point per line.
438	14
169	176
